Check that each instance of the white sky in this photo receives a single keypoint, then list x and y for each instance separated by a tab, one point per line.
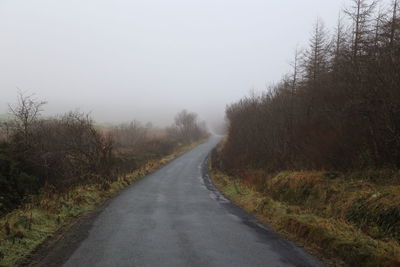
148	59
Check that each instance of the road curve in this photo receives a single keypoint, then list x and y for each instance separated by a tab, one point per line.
175	217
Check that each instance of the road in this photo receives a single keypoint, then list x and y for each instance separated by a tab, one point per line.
175	217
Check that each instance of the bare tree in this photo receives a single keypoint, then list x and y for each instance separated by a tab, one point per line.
316	57
186	127
26	112
360	13
130	135
343	113
394	24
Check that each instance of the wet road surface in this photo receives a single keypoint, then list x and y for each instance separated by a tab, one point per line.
175	217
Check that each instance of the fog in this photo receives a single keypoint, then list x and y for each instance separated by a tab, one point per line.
148	59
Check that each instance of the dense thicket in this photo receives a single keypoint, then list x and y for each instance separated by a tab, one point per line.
338	109
62	152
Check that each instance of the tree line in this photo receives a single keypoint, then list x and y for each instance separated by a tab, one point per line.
339	108
58	153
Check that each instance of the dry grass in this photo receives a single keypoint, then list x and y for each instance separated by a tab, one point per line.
325	213
373	208
24	229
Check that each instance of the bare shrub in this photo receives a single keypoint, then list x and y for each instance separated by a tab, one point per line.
187	128
130	135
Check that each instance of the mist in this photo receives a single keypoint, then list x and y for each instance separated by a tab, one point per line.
147	60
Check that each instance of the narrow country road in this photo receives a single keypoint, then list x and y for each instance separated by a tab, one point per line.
175	217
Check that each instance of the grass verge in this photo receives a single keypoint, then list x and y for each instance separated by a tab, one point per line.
23	230
311	222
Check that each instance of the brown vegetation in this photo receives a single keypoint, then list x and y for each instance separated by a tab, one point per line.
338	109
62	152
187	128
35	221
338	113
53	170
347	221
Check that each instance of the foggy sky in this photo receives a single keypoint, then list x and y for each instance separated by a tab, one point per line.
148	59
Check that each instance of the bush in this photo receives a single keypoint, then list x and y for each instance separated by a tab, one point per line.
16	181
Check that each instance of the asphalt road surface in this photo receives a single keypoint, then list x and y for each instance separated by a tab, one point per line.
175	217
